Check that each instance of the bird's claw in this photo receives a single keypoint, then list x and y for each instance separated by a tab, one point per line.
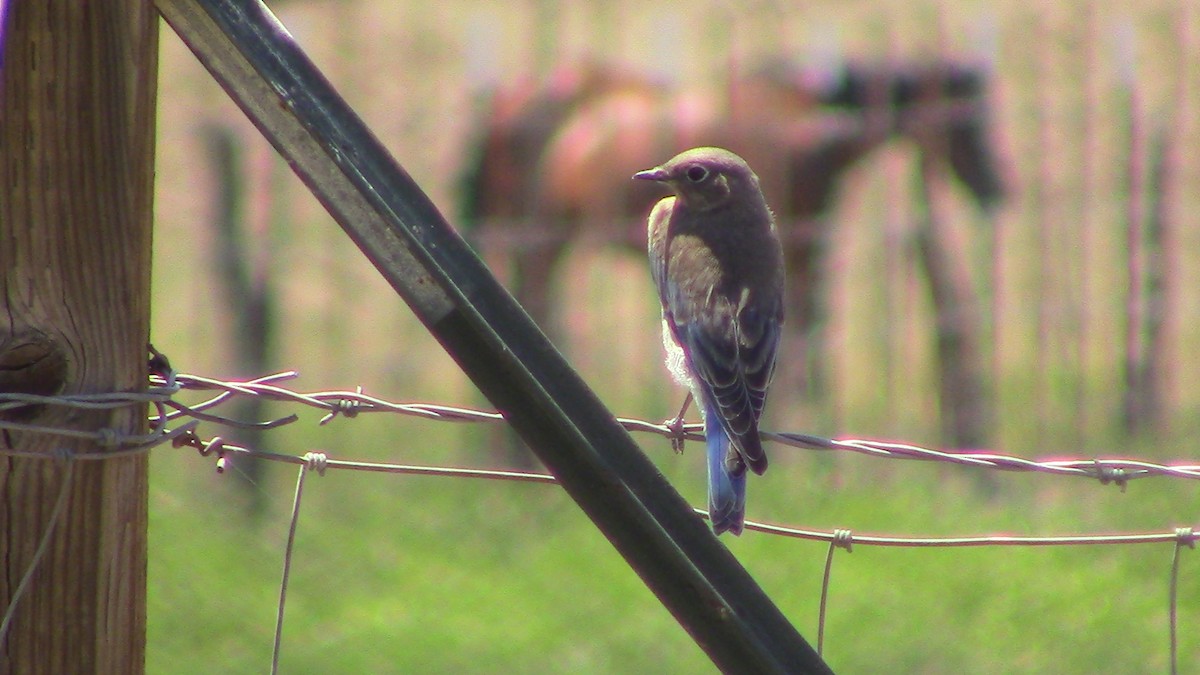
675	426
678	435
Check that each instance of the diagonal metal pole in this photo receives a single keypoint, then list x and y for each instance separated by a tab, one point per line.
490	336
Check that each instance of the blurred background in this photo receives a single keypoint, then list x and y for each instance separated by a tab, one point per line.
990	216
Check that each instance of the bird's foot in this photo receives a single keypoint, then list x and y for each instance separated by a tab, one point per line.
678	434
675	426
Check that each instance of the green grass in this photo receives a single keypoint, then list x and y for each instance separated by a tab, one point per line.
415	574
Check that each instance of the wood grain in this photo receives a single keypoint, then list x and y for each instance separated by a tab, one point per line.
77	110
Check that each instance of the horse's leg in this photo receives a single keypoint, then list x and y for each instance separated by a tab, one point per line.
973	160
534	266
966	407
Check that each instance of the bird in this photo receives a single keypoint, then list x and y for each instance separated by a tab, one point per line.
717	264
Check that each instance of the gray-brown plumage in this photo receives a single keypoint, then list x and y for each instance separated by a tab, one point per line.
718	266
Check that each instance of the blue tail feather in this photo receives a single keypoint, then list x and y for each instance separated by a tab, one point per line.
726	492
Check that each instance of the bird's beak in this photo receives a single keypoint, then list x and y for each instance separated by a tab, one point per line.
657	173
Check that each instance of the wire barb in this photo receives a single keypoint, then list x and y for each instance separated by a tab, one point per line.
1111	474
1186	537
316	461
346	407
843	539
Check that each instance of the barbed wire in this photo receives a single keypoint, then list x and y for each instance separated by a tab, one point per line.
840	537
165	385
1118	471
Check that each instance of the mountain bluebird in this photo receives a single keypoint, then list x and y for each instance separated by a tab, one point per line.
718	266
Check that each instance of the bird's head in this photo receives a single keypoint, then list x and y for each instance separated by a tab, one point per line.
704	178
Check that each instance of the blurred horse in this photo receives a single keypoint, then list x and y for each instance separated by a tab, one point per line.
940	105
555	161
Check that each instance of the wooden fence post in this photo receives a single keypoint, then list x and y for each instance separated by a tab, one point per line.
77	110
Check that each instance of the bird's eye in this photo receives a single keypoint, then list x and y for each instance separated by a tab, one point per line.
697	174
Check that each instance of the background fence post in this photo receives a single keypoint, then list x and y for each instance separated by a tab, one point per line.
77	110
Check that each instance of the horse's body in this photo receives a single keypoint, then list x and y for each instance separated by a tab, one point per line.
556	162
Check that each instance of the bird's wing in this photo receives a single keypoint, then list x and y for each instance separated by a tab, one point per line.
656	244
759	331
730	345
